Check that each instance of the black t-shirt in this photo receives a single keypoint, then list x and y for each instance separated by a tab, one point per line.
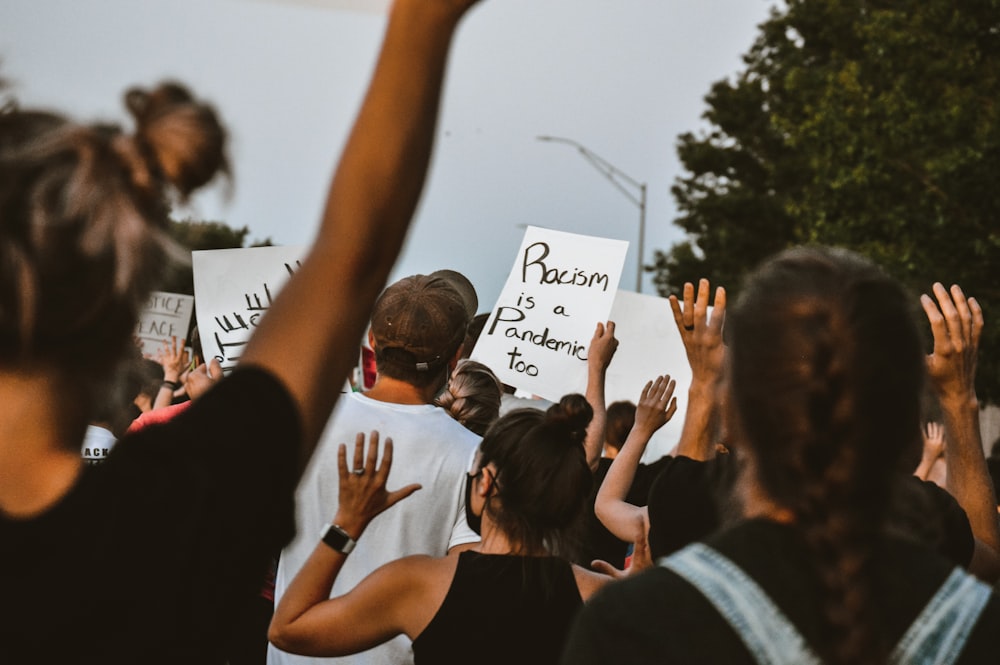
687	503
658	617
502	610
601	543
146	558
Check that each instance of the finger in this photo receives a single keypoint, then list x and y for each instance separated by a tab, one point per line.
668	391
701	304
372	456
342	461
675	307
672	409
688	304
964	314
977	322
396	496
214	369
718	311
383	471
939	329
610	328
954	326
599	332
605	568
645	391
359	451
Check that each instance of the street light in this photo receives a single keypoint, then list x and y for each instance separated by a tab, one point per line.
619	179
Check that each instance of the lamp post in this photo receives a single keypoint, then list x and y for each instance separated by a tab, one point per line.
621	181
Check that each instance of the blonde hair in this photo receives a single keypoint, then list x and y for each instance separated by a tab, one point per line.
472	396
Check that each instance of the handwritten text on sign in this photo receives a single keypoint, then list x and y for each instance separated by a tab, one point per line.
561	286
165	315
233	289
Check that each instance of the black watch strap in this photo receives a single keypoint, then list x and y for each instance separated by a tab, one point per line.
338	539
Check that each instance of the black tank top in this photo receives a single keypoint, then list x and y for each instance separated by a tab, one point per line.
502	609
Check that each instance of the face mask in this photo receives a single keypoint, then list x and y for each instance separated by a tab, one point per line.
474	521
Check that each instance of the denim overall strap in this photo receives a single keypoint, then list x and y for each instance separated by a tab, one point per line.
938	635
765	631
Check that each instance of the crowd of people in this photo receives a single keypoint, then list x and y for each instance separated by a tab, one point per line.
813	510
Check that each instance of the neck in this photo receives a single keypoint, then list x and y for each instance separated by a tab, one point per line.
388	389
757	502
40	445
495	541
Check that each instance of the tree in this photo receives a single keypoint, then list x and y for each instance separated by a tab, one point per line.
192	236
868	125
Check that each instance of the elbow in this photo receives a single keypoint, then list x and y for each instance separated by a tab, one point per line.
278	635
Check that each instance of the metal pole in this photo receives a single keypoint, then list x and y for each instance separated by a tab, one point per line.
616	177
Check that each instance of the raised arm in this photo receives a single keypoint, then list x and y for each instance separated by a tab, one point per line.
956	323
656	406
702	337
310	336
602	350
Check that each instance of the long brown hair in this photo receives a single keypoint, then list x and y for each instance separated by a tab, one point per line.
826	377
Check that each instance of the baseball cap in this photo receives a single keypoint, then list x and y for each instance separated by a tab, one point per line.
419	321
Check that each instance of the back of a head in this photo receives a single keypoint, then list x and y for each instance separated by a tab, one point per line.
418	324
472	396
83	218
542	474
621	418
826	372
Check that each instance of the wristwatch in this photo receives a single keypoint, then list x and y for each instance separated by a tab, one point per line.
338	539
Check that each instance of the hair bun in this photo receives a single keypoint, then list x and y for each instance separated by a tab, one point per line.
181	138
572	414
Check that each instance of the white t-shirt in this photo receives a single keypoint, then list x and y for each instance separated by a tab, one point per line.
430	448
97	444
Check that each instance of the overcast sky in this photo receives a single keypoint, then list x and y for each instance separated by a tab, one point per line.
621	77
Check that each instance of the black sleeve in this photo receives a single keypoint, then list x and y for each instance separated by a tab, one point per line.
682	506
207	499
925	512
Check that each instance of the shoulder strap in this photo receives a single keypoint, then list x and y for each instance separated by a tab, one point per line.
938	635
768	635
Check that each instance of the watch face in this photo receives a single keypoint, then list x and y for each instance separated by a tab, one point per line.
337	539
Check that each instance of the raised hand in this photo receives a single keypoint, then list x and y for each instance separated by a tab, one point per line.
363	493
174	358
656	406
602	346
701	334
956	323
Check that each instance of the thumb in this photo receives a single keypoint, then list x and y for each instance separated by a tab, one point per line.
606	568
396	496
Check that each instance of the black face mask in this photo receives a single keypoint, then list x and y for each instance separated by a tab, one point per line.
474	521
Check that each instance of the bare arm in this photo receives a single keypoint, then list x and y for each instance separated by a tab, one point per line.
307	621
956	323
602	350
656	406
702	337
933	450
310	337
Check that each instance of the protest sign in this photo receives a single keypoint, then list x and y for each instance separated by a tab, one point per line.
648	346
560	287
233	290
166	315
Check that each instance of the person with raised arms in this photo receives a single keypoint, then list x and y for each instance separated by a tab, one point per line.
190	511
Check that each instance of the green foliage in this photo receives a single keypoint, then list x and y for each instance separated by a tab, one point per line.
192	236
869	125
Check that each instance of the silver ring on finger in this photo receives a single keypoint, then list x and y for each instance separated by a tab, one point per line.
358	472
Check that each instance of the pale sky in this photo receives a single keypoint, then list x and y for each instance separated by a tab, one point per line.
621	77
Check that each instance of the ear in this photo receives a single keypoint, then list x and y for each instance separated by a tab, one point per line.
371	339
453	363
487	481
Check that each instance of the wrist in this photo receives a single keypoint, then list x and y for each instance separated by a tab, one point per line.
351	524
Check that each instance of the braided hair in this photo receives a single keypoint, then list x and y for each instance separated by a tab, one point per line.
83	219
826	376
543	480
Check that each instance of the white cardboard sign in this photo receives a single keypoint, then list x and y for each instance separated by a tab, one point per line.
233	290
165	315
648	346
561	285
